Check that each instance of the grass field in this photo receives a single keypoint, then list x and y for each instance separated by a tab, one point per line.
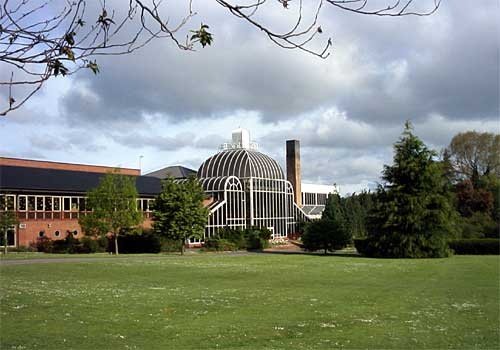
251	301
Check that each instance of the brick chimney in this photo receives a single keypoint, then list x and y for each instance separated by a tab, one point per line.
293	168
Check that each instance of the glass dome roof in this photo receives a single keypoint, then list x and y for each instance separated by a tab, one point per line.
242	163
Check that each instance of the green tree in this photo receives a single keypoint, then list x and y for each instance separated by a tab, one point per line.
331	231
7	220
412	216
178	211
114	207
356	208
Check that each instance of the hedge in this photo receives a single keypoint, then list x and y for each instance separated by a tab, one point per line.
482	246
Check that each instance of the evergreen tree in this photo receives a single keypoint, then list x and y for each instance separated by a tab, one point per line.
412	216
114	207
178	211
331	231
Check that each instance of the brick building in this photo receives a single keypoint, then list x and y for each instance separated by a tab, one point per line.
49	197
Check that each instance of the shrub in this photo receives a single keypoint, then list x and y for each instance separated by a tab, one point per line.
169	245
475	246
235	236
89	245
22	249
43	244
361	245
102	244
219	244
146	242
325	234
257	238
478	225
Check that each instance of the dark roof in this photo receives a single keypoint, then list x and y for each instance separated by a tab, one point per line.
176	171
23	179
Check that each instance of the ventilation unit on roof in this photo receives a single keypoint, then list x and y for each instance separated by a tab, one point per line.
240	140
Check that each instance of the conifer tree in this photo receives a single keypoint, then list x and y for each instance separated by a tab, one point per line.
412	216
331	232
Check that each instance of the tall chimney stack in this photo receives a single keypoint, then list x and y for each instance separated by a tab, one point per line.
293	168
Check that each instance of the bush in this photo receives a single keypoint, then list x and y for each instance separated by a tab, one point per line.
43	245
89	245
361	245
257	238
22	249
325	234
170	245
479	225
235	236
147	242
219	244
475	246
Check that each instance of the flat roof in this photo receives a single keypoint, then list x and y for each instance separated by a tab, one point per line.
42	180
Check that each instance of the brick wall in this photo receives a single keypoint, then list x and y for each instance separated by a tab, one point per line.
30	232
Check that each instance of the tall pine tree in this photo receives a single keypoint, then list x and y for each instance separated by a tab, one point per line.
412	216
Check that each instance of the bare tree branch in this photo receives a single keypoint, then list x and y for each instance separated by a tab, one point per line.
41	39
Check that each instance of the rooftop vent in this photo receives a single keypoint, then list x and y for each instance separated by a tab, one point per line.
240	140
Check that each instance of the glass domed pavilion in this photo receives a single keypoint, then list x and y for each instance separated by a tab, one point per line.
248	188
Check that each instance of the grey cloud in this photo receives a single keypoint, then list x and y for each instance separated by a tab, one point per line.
383	70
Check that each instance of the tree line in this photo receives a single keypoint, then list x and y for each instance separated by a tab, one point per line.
423	201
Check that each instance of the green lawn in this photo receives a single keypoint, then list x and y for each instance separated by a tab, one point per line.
254	301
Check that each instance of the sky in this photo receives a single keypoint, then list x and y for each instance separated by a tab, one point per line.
162	106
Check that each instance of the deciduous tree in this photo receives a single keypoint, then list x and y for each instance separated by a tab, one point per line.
114	207
7	220
178	211
475	154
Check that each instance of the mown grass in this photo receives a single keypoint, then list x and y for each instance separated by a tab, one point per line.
254	301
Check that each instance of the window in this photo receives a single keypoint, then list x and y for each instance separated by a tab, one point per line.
81	203
57	233
39	203
31	203
66	203
21	204
74	204
11	238
48	203
9	202
41	233
56	203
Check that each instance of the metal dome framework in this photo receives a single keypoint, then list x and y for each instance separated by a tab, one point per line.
248	188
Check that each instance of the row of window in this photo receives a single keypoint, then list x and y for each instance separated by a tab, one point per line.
56	203
309	198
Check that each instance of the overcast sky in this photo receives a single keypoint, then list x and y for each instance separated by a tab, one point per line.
174	107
